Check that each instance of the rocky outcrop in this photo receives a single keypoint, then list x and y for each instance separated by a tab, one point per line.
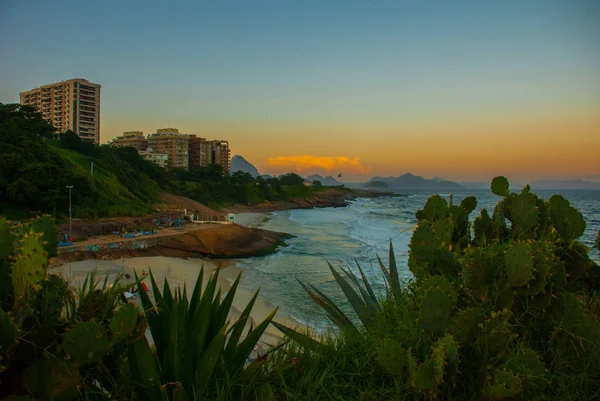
212	241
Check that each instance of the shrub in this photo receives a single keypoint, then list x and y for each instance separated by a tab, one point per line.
495	310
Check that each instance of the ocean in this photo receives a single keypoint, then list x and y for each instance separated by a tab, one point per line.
357	233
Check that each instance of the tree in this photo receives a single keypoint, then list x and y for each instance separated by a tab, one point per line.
241	178
317	184
291	179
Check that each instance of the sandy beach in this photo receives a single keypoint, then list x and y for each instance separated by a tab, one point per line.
180	272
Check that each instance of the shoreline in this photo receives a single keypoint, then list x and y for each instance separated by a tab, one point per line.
179	273
329	197
213	241
201	241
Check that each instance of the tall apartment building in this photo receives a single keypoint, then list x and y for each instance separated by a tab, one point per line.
218	153
203	153
169	141
198	153
134	139
69	105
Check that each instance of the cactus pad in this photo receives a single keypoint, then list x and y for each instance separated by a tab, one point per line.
124	322
506	385
45	226
567	220
469	204
6	240
445	358
477	271
8	332
86	343
530	368
392	357
30	265
422	243
518	264
543	260
443	230
425	378
437	296
465	324
524	212
500	186
435	208
482	228
497	333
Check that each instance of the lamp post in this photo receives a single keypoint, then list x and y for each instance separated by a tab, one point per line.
70	210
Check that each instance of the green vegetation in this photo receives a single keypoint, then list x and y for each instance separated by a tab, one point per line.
36	165
57	344
497	312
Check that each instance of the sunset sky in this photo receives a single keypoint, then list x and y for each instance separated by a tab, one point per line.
465	90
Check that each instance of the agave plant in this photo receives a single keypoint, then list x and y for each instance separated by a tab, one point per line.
359	294
193	339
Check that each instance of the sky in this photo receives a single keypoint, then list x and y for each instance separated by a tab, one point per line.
464	90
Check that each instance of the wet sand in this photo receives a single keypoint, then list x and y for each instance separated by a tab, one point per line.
180	272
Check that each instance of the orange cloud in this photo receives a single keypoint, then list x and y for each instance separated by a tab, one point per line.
340	164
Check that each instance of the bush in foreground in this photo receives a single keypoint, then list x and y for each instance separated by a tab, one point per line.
495	311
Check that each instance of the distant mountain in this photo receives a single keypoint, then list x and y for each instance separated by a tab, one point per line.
238	163
376	184
475	184
327	181
567	184
592	177
266	176
411	181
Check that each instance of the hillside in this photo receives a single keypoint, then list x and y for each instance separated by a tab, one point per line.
238	163
328	181
37	165
410	181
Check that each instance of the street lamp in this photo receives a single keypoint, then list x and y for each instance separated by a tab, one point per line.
70	210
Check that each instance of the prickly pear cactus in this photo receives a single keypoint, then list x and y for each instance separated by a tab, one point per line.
469	204
6	240
422	243
520	288
518	264
500	186
435	208
30	264
6	250
47	228
392	357
567	220
124	322
443	230
425	377
524	213
506	385
86	343
437	297
444	356
483	230
8	333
